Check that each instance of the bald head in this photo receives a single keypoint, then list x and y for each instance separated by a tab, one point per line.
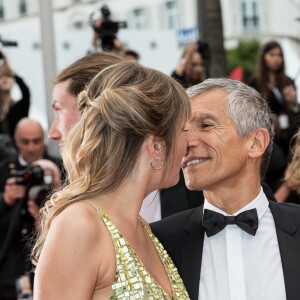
29	139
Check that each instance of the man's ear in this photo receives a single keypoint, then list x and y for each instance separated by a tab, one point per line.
260	140
154	146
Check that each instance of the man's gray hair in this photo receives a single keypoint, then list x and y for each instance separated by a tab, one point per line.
247	108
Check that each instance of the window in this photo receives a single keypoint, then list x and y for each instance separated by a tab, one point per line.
139	20
171	15
22	7
1	10
250	18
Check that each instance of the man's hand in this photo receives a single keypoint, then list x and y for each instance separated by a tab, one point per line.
185	60
13	191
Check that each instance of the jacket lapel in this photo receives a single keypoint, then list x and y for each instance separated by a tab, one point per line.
289	247
191	253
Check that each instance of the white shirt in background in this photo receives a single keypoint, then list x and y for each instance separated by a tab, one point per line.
151	210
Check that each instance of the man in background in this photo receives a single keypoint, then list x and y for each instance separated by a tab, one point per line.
17	214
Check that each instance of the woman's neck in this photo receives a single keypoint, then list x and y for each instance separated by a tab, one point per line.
125	202
272	79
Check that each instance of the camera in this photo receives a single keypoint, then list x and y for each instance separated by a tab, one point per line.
38	183
108	28
203	49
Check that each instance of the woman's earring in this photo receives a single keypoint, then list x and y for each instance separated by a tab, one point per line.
155	161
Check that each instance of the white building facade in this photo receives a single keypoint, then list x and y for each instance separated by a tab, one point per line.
153	31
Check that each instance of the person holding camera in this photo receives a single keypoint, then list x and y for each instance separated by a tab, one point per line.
105	33
190	70
17	214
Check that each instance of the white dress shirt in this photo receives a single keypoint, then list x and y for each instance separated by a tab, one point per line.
151	208
239	266
22	162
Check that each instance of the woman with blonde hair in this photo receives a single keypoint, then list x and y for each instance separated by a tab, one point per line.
292	173
291	184
128	142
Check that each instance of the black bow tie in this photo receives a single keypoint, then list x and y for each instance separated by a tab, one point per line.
214	222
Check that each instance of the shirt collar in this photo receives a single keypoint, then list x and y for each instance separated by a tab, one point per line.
261	204
22	162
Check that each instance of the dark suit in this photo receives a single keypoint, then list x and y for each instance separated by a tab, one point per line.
178	198
182	236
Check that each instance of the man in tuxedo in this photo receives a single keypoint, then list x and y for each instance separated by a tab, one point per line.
238	245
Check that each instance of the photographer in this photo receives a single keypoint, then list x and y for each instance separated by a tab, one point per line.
17	214
105	31
190	69
11	111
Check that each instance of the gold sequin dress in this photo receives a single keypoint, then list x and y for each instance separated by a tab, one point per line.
132	280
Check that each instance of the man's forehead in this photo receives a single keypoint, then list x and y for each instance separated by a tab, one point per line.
210	102
61	94
33	134
197	116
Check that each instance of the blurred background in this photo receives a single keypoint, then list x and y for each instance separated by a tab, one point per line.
158	30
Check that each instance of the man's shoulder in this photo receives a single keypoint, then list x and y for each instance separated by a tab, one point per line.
290	211
7	167
175	223
291	208
8	161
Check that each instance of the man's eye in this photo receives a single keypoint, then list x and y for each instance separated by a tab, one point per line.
206	125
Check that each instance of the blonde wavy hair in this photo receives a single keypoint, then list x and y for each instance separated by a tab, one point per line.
120	107
292	173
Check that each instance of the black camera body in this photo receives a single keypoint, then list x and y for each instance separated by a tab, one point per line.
38	183
108	29
203	49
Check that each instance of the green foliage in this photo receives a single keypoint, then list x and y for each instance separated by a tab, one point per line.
245	55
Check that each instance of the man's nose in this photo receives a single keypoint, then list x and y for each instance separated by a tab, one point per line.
31	146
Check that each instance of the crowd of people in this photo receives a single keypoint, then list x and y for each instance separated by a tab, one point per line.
203	161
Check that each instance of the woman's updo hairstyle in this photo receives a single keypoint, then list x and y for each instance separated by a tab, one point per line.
120	107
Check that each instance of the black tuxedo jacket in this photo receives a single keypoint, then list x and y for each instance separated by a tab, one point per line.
179	198
182	236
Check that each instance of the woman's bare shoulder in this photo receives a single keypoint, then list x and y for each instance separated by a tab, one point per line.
79	219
